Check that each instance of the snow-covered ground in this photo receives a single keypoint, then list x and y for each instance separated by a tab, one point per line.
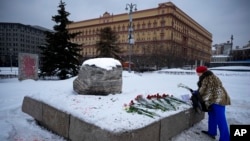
18	126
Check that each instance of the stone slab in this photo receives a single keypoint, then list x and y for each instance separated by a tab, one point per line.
75	129
83	131
32	107
56	120
195	117
177	122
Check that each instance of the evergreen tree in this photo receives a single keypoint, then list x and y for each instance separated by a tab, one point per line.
107	44
60	57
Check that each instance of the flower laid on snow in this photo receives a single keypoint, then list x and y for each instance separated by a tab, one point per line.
143	102
135	108
162	102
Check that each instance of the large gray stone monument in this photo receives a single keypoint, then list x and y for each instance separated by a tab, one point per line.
99	76
27	66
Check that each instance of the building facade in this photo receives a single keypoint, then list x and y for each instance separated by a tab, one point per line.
224	55
221	52
223	48
241	54
164	36
19	38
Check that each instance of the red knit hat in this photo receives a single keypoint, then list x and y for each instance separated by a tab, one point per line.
201	69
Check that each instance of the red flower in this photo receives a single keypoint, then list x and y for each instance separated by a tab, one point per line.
149	97
138	97
165	95
131	103
158	96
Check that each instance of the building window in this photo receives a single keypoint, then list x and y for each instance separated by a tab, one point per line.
149	25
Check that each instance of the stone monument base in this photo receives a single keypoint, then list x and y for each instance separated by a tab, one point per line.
75	129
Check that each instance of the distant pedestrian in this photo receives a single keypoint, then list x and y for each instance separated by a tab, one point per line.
215	97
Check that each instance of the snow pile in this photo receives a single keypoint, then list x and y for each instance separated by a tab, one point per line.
105	63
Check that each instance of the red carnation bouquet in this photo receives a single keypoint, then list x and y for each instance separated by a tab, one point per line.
146	106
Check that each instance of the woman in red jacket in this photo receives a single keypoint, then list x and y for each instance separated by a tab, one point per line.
215	96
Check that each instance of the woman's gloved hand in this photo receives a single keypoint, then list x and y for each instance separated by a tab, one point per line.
195	92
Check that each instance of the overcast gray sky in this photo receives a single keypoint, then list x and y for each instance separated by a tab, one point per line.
222	18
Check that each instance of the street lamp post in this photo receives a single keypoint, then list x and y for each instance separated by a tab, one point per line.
230	53
130	30
11	59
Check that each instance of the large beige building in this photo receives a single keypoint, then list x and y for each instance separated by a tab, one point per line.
164	36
